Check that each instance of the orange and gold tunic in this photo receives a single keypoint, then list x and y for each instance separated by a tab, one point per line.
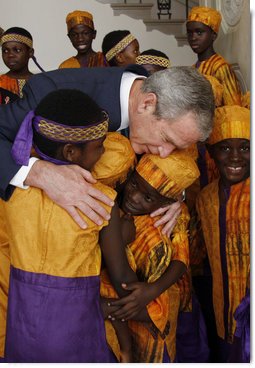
218	67
11	84
149	255
226	231
94	61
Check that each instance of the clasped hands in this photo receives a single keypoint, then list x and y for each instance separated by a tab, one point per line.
128	307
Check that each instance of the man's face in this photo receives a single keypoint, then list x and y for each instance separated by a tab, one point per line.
161	137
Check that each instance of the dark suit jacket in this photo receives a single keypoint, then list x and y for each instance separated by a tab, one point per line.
102	84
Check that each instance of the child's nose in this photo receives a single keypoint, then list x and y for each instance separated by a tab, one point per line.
135	197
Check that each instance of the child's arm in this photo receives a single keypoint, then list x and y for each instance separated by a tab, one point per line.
114	253
142	293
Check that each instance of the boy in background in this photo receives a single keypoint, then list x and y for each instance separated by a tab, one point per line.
224	210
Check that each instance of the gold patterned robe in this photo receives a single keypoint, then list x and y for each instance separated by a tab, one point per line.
150	254
232	260
219	68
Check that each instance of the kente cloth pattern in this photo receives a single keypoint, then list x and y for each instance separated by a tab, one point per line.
149	255
96	60
208	16
11	84
236	251
219	68
54	307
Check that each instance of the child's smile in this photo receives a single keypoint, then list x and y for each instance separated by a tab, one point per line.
232	157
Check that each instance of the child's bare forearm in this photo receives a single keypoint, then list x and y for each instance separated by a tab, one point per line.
172	274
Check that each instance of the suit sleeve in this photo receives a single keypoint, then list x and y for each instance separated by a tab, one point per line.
11	116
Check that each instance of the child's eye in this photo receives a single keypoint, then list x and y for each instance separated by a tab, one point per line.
133	183
245	148
148	199
224	148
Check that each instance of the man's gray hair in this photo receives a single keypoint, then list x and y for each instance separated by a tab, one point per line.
180	90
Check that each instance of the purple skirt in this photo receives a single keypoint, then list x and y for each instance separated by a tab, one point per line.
55	320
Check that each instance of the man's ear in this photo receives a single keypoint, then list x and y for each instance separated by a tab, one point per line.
70	152
148	102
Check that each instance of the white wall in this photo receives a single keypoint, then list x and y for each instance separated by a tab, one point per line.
45	20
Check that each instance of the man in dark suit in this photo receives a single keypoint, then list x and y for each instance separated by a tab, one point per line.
168	110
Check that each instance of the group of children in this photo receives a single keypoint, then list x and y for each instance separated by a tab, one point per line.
118	292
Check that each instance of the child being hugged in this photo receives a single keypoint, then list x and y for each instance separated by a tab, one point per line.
152	308
223	207
54	312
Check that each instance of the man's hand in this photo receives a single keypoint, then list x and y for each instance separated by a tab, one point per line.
71	188
169	218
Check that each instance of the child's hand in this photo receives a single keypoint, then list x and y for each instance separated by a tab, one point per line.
141	294
107	307
127	229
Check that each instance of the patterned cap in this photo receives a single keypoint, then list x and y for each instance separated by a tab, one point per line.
208	16
79	17
116	162
217	88
170	175
230	122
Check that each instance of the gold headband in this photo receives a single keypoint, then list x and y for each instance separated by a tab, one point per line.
119	47
154	60
13	37
61	133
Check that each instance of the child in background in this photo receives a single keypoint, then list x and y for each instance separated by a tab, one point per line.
202	26
17	49
54	312
120	48
155	182
81	32
223	207
153	60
